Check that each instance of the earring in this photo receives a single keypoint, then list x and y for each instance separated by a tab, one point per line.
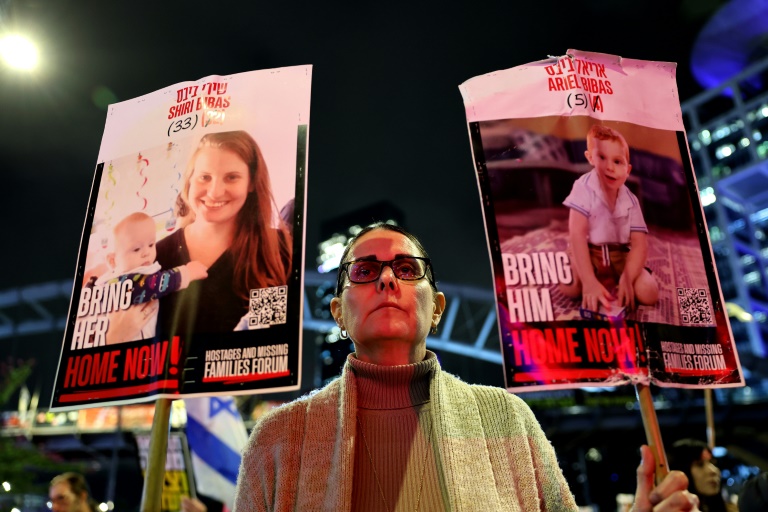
433	330
343	334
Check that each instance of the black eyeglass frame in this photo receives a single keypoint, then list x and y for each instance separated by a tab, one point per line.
344	269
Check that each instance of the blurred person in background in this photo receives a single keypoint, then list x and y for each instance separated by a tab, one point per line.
694	458
754	494
69	492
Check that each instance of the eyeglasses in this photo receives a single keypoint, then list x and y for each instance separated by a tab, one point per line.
406	268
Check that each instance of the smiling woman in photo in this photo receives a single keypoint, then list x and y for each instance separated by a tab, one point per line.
227	212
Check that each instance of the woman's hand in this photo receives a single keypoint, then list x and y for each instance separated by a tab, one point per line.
192	505
96	272
126	325
671	495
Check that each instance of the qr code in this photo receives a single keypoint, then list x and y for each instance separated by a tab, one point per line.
267	307
694	306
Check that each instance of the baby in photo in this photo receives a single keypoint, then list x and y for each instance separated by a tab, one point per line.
132	256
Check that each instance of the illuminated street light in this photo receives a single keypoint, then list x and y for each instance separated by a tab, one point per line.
19	52
737	312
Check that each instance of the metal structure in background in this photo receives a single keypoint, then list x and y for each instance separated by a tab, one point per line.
468	327
34	309
727	129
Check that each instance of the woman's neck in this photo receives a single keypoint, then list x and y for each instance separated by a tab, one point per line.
206	242
392	387
391	353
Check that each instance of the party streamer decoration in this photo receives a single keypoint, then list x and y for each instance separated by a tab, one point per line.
145	162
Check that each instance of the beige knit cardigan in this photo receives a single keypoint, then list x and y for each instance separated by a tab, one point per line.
488	445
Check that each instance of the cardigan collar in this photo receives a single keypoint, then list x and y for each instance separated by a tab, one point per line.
392	387
327	455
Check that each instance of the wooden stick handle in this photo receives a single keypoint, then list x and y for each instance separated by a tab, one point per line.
188	465
151	496
710	418
652	431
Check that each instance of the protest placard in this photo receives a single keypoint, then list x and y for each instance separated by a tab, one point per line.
602	265
189	279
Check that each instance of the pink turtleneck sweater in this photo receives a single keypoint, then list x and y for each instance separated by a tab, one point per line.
393	450
488	450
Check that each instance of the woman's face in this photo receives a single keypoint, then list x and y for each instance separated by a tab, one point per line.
219	185
706	476
388	310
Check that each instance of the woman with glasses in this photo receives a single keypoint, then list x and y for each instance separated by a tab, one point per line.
395	432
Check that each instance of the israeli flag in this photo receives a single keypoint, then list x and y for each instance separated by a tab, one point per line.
217	436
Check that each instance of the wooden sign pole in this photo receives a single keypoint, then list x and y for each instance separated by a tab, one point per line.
710	418
188	466
154	476
652	431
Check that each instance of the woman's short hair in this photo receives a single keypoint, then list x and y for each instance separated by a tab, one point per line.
386	227
76	481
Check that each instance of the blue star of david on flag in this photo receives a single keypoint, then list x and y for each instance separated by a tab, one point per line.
216	441
218	405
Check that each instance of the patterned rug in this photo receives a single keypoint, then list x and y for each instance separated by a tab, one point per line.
673	257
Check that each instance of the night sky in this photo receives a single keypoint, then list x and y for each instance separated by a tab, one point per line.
387	119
